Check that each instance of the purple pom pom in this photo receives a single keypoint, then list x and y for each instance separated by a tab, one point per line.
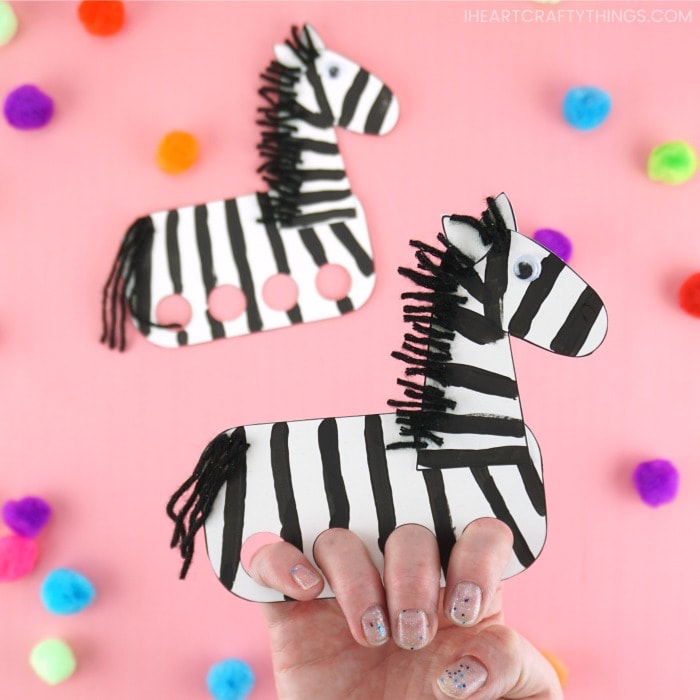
656	481
28	516
27	107
555	241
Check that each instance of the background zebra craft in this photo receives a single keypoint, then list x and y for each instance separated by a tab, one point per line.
466	450
308	219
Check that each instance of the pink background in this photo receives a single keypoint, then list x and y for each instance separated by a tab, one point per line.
106	437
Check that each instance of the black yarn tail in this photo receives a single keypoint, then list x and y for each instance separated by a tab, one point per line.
118	291
216	466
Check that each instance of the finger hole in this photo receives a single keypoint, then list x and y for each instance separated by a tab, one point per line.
253	544
173	310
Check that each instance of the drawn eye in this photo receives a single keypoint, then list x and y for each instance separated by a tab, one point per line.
334	71
527	268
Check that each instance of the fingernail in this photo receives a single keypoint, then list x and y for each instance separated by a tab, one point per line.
412	629
305	577
462	678
374	625
466	603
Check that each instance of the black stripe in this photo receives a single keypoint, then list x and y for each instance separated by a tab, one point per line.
379	109
320	174
327	148
442	518
364	262
322	196
318	254
338	506
206	262
533	486
284	491
455	423
141	305
379	478
234	512
477	328
278	251
495	282
174	265
481	380
321	216
352	97
473	284
572	335
456	459
488	487
235	234
536	293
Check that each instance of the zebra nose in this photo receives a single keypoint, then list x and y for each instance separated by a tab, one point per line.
390	117
597	333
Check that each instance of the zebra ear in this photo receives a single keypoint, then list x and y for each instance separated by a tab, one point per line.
506	210
464	236
311	39
286	55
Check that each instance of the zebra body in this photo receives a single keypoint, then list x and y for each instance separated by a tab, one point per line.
470	454
307	220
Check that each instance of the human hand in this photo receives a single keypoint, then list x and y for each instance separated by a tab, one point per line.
405	638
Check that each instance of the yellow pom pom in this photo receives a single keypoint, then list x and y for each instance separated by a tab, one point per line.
177	151
561	670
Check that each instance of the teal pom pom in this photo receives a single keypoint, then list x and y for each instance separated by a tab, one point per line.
230	680
66	592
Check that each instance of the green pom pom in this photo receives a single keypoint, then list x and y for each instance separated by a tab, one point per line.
8	22
673	163
53	661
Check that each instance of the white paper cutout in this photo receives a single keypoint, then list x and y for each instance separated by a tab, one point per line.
308	218
298	479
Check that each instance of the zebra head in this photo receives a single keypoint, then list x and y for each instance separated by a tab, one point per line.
526	288
333	90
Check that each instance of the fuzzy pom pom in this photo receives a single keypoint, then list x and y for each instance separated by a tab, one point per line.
689	295
231	679
555	241
8	23
102	17
53	661
26	517
27	107
586	108
673	162
656	481
561	670
65	592
177	151
18	556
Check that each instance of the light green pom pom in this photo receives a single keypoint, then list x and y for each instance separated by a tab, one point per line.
8	22
673	162
53	661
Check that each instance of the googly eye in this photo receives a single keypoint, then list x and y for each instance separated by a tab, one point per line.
527	268
333	71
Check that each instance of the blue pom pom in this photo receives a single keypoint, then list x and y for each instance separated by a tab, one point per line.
230	680
586	107
65	592
656	481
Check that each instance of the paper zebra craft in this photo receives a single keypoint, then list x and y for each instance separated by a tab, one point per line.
308	219
466	451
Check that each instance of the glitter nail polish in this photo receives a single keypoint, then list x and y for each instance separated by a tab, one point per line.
466	603
462	678
374	625
304	577
412	629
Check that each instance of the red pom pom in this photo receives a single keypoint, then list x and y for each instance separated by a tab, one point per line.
102	17
689	295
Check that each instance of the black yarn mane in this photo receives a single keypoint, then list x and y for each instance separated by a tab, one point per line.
431	313
279	147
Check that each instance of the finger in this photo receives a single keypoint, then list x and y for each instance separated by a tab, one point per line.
356	583
412	585
283	567
498	663
477	562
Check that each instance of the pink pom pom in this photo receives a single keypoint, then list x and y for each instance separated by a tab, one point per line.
18	556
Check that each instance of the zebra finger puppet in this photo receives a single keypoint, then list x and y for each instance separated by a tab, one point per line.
307	223
454	449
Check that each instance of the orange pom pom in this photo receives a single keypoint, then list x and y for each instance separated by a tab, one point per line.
561	670
102	17
177	151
